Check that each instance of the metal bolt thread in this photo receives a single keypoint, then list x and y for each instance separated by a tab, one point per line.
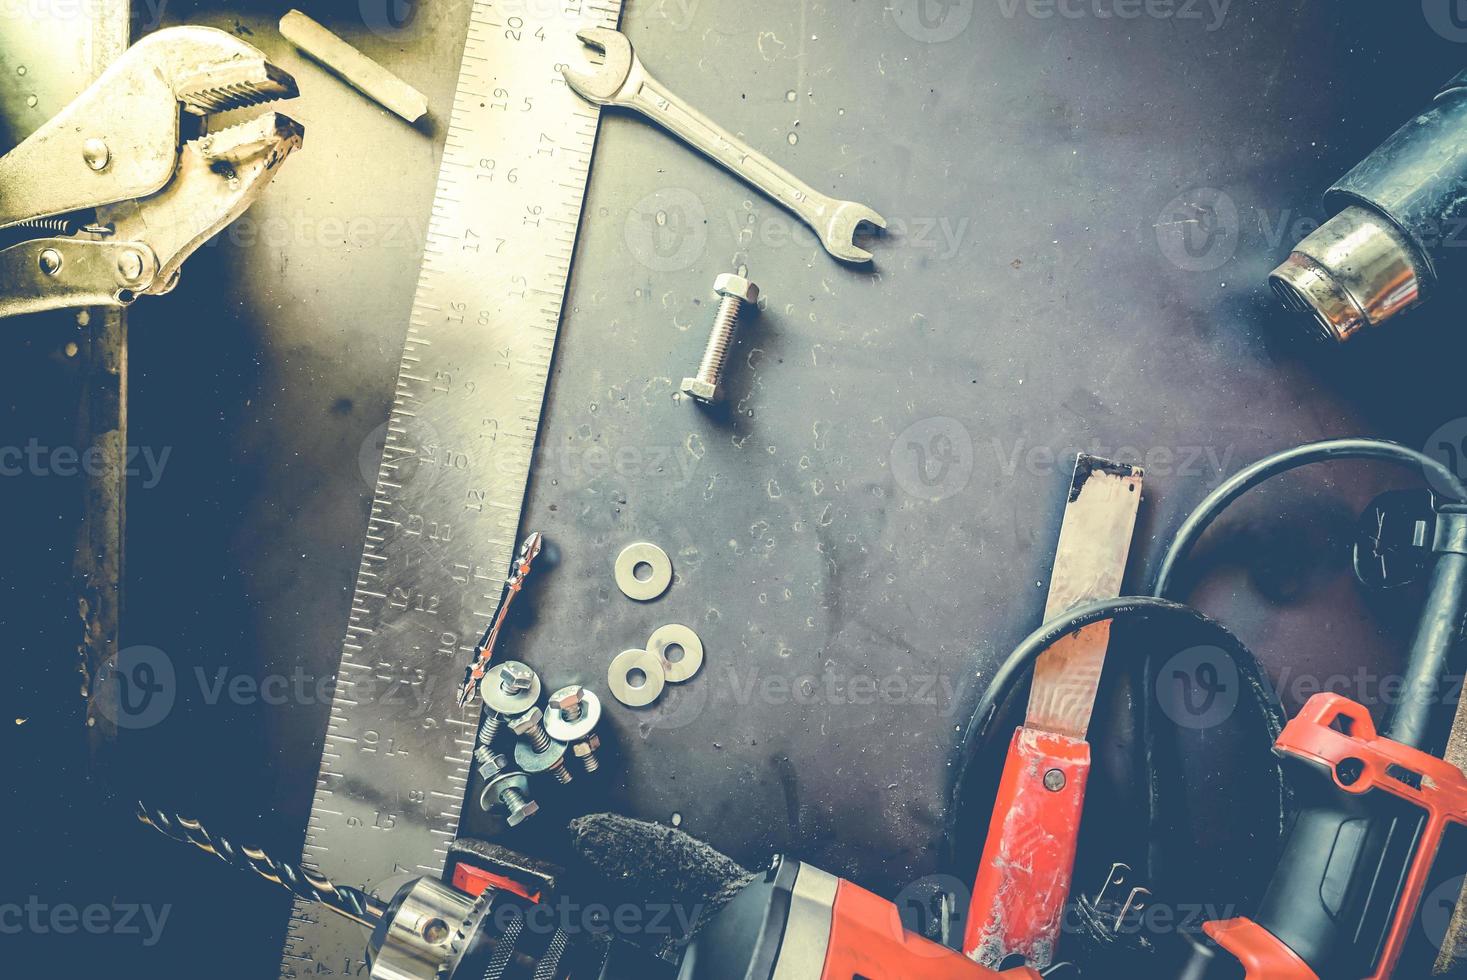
715	355
561	773
488	731
539	738
589	762
574	713
514	801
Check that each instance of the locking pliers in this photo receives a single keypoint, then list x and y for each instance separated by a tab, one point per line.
124	191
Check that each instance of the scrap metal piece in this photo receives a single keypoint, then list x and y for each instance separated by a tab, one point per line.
353	67
117	153
622	81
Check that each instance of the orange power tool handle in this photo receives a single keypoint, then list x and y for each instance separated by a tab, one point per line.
1023	882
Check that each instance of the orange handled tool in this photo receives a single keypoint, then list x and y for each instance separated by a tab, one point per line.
1024	877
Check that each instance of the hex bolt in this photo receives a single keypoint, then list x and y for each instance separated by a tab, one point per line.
510	789
736	293
537	752
508	691
531	726
571	717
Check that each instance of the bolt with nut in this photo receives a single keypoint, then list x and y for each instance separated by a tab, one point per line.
509	789
736	292
508	691
537	752
572	717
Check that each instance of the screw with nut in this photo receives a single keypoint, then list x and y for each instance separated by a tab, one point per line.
509	788
571	717
537	752
736	292
513	688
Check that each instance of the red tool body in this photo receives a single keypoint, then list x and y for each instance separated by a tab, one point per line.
1338	736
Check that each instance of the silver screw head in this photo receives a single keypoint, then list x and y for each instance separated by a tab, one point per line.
528	722
737	286
700	390
96	154
514	678
49	261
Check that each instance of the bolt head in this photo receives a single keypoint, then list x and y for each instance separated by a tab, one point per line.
521	814
586	746
568	699
731	285
1054	780
130	266
702	391
527	722
516	677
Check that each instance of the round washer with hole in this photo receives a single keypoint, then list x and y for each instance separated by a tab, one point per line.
631	558
682	637
629	665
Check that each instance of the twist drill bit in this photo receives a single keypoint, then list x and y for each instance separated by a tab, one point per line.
353	903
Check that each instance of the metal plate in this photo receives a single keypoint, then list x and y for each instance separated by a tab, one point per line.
459	443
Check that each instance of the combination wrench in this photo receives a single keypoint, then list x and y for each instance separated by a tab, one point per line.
622	81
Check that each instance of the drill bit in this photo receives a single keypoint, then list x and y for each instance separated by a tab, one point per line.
353	903
484	651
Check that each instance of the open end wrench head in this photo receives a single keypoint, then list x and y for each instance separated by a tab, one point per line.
602	85
840	231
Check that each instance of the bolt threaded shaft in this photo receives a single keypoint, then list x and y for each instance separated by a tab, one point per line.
589	762
561	773
715	355
514	801
539	738
488	732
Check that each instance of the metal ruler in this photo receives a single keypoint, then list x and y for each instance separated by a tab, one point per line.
454	471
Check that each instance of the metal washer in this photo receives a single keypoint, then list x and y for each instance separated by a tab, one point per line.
618	678
676	634
636	554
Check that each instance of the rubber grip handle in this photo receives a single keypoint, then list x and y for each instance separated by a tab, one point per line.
1023	882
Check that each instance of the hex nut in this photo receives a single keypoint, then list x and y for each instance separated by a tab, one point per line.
701	390
732	285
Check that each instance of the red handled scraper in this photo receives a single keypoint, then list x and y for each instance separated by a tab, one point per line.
1024	878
